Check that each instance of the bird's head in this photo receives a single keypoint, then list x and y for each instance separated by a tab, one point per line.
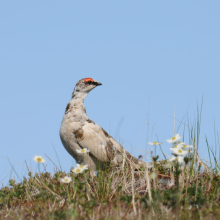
84	86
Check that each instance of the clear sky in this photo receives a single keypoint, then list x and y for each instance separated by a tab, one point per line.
150	56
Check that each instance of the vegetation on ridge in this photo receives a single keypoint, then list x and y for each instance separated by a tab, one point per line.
111	195
180	188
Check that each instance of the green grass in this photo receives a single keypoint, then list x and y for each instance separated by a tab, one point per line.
111	195
187	192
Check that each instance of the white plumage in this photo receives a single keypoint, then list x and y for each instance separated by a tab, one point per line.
77	131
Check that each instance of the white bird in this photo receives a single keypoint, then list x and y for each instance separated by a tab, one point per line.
77	132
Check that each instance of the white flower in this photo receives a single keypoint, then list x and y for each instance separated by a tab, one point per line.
83	151
154	143
174	139
179	152
181	143
39	159
187	146
84	167
66	179
176	146
178	159
173	158
77	170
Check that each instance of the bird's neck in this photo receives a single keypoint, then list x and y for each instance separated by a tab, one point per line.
77	103
79	95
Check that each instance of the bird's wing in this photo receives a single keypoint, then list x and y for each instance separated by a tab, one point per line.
101	144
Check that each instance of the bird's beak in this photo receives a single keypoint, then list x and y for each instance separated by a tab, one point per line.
97	83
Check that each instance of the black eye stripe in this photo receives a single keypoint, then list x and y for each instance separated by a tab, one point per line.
93	83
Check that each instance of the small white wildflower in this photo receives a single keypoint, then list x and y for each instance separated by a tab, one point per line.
39	159
178	159
173	158
83	151
66	179
179	152
181	143
154	143
84	167
77	170
174	139
176	146
187	146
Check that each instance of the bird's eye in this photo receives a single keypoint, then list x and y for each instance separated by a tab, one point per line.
89	82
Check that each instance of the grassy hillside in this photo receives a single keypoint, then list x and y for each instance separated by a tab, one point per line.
186	192
182	187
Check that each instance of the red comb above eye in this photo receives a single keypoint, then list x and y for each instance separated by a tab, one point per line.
88	79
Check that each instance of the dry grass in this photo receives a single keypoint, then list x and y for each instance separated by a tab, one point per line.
120	193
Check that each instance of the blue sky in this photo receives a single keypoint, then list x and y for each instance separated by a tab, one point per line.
151	56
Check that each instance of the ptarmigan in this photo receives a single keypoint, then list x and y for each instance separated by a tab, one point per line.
77	131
